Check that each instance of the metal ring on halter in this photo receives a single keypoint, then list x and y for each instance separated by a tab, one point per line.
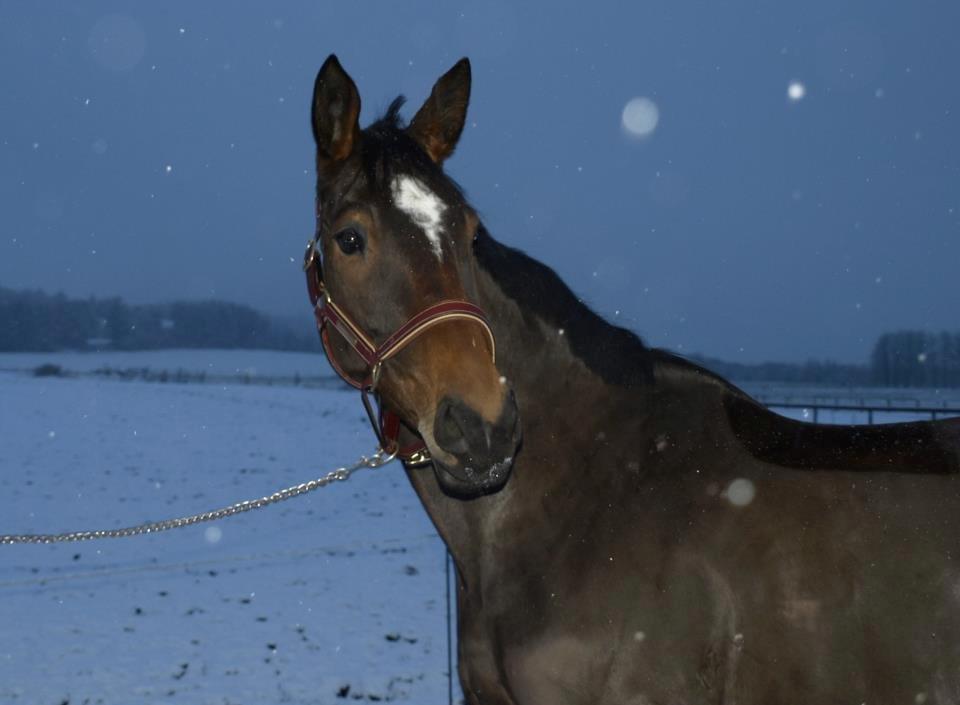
382	457
309	255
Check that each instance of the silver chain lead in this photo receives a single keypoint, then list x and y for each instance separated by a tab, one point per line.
378	459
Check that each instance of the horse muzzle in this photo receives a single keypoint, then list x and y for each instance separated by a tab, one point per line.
475	456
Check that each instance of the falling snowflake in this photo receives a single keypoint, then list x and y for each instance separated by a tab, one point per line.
640	117
740	492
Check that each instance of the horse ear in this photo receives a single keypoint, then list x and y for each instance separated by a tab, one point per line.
336	111
438	124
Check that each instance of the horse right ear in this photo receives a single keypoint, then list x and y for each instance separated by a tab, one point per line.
336	112
438	124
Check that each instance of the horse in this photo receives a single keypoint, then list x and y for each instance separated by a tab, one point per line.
627	528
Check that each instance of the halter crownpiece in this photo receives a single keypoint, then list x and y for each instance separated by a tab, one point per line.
386	424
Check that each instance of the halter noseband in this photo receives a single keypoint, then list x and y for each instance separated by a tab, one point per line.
386	424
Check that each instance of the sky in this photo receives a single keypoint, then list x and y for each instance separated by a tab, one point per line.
798	195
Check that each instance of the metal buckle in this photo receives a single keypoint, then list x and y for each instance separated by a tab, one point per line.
375	375
419	459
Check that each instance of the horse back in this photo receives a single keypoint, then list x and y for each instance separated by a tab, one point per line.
922	447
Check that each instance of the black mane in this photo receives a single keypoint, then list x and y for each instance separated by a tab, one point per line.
616	354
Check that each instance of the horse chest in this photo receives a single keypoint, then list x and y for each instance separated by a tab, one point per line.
604	635
605	668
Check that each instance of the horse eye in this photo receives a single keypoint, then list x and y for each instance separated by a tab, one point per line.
349	241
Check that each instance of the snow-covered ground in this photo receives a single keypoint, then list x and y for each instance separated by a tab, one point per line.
252	363
335	596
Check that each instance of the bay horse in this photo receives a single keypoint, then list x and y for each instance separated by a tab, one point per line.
627	527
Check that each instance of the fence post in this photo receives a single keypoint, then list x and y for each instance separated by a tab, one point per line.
446	563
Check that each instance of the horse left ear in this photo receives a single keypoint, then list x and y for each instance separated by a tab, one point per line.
439	122
336	112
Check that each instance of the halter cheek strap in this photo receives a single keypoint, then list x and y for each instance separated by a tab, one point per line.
328	315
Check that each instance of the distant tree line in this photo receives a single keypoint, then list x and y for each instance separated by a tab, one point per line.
900	359
916	359
822	372
33	321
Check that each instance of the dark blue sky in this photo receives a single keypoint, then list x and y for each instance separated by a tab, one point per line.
163	150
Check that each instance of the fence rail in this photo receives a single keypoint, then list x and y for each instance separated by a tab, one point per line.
932	411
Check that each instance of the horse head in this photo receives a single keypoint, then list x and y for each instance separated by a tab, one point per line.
394	234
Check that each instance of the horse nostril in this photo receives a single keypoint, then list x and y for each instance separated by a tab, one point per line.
452	424
459	429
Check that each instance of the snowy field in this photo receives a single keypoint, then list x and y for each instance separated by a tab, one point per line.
332	597
251	365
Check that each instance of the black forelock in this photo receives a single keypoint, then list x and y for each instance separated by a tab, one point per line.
387	148
392	116
386	145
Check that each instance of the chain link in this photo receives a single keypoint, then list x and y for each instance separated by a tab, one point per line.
378	459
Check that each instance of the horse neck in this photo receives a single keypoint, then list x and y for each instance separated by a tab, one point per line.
555	389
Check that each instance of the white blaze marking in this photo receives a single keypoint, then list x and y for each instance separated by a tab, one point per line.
423	207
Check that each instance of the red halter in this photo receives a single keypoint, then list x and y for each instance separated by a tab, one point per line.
386	424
